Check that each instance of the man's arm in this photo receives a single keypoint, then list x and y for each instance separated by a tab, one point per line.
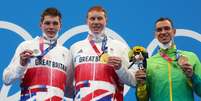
126	75
196	78
70	89
14	70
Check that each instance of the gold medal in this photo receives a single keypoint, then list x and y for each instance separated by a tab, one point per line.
104	58
182	60
36	52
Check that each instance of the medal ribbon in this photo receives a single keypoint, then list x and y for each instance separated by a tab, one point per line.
104	43
41	46
94	47
166	57
103	47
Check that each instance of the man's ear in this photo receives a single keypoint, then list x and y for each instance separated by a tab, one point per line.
155	34
40	25
174	31
106	19
60	26
86	22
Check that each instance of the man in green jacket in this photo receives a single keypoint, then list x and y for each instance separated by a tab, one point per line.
171	74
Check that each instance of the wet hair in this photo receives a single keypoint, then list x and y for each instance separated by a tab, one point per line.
163	19
98	9
51	12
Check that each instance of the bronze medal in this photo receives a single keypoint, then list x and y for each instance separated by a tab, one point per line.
182	60
104	58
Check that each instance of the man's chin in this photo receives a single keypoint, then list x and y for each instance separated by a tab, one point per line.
165	42
96	32
51	35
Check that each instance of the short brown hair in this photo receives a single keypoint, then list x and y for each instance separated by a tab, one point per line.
51	12
97	8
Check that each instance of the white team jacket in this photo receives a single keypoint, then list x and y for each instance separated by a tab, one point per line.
95	80
41	80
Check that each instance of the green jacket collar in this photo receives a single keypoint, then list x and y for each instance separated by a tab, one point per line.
173	49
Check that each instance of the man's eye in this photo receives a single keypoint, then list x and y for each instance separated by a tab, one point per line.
167	28
47	23
92	18
55	23
159	29
99	18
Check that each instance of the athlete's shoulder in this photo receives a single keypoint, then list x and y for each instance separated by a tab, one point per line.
117	43
78	44
28	43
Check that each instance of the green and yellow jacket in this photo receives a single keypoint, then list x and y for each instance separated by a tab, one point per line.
167	82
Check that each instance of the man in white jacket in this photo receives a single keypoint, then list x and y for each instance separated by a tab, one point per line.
41	63
100	62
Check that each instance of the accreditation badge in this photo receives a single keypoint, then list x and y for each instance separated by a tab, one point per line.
104	58
182	59
36	52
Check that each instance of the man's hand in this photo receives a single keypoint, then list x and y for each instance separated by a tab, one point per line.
187	69
25	56
140	76
139	57
115	62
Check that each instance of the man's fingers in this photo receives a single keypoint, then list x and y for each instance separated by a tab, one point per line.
114	62
114	59
187	69
185	65
26	54
140	75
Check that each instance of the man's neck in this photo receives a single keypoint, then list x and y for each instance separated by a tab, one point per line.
50	39
166	46
96	37
171	49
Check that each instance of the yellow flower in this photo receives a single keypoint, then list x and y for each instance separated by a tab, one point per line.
138	49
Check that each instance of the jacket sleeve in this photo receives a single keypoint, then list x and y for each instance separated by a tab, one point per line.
126	75
14	70
70	89
196	79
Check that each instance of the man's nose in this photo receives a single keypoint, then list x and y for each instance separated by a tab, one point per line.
96	20
163	31
51	25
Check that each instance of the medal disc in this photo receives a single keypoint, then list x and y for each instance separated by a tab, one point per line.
182	60
104	58
36	52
